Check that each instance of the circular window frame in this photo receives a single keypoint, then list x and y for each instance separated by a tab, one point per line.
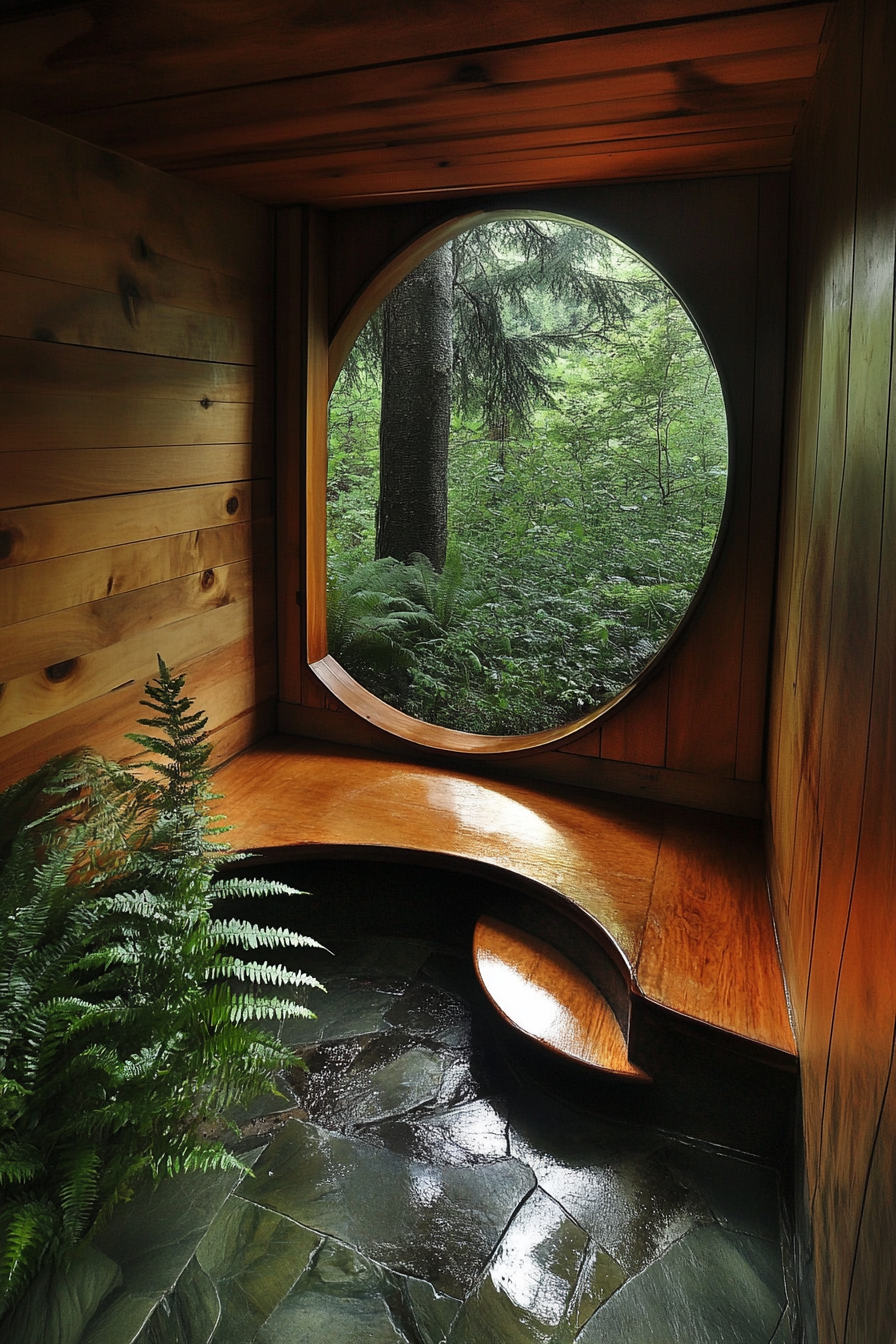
331	674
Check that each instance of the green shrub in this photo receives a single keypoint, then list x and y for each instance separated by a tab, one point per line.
127	1022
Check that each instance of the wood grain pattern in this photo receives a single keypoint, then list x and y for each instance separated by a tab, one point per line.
541	993
84	473
48	530
832	757
39	695
96	261
48	369
688	939
130	479
30	591
36	422
62	636
161	56
82	186
50	310
715	92
598	853
227	682
710	154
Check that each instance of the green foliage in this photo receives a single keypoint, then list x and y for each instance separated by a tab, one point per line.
127	1018
583	508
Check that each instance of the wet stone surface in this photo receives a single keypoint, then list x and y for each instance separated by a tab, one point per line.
408	1188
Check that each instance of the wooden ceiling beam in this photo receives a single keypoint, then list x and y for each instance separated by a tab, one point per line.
438	99
666	156
185	137
103	53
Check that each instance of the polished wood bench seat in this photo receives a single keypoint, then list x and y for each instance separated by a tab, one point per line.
677	897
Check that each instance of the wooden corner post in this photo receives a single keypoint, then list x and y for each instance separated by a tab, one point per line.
302	344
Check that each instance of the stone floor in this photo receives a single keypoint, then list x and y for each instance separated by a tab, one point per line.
415	1187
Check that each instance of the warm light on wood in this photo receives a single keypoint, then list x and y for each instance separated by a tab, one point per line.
543	995
676	898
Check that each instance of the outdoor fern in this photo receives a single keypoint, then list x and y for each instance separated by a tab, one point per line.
128	1019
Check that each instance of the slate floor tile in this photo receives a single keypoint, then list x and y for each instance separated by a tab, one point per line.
435	1223
475	1131
742	1195
344	1297
600	1276
408	1189
526	1293
348	1008
631	1205
430	1011
711	1287
189	1311
253	1256
352	1083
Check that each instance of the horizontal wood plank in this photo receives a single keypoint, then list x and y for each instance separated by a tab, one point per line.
49	310
41	695
445	146
42	478
290	181
49	369
61	636
85	187
32	422
37	247
152	52
29	591
463	79
44	531
226	683
589	104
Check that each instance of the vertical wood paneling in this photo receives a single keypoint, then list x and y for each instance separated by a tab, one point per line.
833	743
135	463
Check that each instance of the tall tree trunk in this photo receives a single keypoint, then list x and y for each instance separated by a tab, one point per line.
415	416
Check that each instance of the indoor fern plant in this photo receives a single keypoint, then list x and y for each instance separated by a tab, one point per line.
128	1019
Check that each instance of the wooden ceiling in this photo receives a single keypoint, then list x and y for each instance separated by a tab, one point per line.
351	102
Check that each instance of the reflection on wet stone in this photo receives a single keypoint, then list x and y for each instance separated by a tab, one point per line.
348	1084
411	1190
633	1207
427	1010
527	1290
461	1136
600	1277
435	1223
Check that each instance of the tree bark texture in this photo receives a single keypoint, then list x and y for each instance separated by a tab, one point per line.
415	416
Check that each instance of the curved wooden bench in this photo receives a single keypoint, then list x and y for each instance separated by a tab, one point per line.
541	993
678	899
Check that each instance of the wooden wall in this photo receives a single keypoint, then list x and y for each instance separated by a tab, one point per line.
695	731
832	768
135	453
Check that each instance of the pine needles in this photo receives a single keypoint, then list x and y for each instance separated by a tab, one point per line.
128	1019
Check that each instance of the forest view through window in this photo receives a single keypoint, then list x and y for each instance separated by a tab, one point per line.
528	457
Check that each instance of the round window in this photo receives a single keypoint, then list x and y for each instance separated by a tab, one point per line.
528	459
